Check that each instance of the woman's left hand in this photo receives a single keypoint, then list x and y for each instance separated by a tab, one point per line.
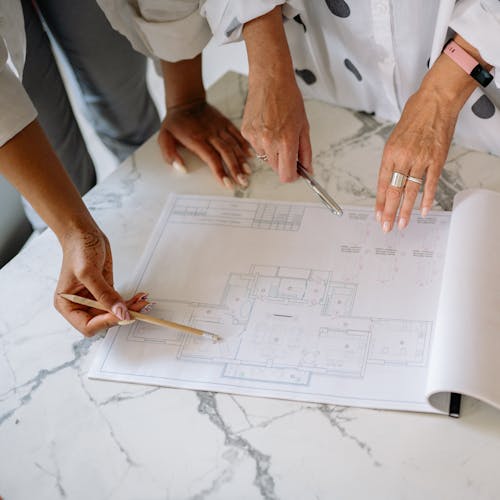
417	148
419	144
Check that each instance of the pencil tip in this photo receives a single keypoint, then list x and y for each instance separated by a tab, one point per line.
215	338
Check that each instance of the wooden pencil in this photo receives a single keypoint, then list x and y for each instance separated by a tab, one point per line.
143	317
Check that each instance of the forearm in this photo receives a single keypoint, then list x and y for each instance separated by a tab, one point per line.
267	46
183	82
29	163
449	82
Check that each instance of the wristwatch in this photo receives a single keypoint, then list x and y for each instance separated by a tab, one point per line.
468	63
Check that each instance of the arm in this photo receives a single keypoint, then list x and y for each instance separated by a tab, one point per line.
176	33
30	164
274	121
419	144
198	126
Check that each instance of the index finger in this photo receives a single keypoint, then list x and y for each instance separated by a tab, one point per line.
287	161
305	150
384	179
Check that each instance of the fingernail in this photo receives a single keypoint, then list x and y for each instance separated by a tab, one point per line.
425	211
149	307
246	168
227	182
378	216
242	179
179	167
120	311
401	223
126	322
386	227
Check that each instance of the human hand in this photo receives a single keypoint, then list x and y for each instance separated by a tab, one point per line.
87	270
275	123
206	132
419	144
417	147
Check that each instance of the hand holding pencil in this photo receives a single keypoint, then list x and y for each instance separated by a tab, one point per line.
76	299
87	270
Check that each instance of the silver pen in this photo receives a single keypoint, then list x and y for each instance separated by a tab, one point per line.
330	203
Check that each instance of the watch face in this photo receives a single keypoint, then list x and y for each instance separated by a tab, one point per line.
482	76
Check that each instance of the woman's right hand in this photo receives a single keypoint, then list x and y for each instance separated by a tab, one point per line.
28	161
87	270
275	122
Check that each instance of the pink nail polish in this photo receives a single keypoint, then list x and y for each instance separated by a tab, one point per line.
149	307
120	311
401	224
386	227
378	216
425	211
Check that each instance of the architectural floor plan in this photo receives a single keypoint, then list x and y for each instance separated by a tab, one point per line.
310	306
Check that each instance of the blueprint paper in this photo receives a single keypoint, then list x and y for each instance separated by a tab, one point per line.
468	322
311	307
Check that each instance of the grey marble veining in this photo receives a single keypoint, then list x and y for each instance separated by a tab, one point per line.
65	436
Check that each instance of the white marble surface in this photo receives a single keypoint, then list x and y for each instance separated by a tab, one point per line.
65	436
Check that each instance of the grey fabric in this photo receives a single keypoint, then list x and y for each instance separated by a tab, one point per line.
110	75
14	227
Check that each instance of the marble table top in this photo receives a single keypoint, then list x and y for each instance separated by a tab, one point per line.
65	436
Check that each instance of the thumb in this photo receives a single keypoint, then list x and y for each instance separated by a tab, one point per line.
106	295
168	149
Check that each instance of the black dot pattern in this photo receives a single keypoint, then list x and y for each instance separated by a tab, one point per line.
298	19
350	66
483	107
307	75
338	8
232	27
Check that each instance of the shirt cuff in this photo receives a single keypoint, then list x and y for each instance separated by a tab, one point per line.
175	40
478	22
226	18
164	32
16	109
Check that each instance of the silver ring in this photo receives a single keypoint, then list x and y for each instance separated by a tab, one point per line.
398	179
263	157
415	179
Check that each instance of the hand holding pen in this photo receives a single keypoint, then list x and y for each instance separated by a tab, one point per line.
327	200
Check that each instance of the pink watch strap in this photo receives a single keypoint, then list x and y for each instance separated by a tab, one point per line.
460	56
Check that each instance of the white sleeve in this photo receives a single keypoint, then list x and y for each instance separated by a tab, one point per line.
16	108
227	17
478	22
171	30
